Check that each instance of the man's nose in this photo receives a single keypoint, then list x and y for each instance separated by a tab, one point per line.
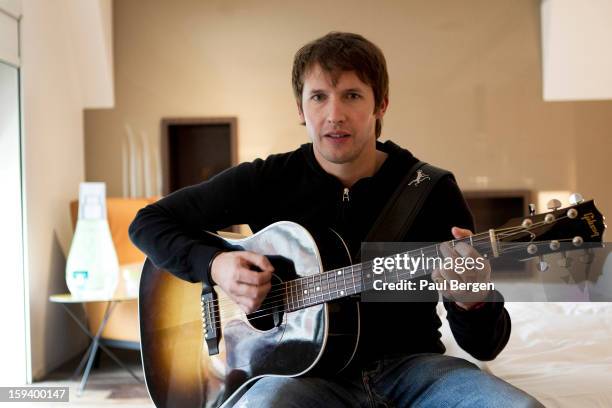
335	112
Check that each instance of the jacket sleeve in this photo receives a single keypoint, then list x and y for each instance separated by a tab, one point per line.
485	331
171	231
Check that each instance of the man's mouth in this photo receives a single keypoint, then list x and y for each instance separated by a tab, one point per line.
337	135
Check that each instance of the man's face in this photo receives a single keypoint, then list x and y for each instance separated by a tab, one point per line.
340	120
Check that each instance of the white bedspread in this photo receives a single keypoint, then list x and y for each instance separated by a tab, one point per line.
561	353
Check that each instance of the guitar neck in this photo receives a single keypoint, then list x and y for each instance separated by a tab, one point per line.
525	237
358	278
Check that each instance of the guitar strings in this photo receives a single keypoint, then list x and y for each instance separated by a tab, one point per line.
356	288
328	274
324	279
282	289
325	282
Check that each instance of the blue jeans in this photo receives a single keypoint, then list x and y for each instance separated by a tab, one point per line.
420	380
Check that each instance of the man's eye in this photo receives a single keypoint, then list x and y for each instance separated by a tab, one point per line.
353	96
317	97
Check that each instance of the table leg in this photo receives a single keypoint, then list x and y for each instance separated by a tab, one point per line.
82	363
94	346
95	343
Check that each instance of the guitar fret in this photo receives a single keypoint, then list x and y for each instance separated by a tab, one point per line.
308	290
296	294
335	274
291	283
363	276
318	287
301	296
296	298
323	290
360	274
312	291
327	291
286	297
363	273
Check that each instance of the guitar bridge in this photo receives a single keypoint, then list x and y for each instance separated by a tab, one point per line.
211	321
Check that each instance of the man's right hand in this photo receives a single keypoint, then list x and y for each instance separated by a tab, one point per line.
244	276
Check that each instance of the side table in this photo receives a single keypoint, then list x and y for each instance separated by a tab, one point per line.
65	300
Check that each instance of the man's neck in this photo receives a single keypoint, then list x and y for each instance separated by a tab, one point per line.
350	173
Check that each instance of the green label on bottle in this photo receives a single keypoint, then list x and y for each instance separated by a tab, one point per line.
80	276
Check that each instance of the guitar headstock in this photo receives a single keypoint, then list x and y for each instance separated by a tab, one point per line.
557	230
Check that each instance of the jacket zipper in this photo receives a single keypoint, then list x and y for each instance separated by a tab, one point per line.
344	204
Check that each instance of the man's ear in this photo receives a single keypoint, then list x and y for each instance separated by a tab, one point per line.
300	112
383	108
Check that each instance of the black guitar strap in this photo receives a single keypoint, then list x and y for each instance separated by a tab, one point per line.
405	204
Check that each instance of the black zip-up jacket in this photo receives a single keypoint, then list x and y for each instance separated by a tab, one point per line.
293	186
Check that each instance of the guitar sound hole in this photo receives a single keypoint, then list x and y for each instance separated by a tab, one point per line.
270	313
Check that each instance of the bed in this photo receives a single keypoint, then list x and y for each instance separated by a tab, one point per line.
561	353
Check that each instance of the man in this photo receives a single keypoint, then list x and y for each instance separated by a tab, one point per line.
341	180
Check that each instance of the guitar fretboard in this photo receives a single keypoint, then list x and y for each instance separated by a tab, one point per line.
358	278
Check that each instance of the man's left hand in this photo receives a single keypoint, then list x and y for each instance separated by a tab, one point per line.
465	299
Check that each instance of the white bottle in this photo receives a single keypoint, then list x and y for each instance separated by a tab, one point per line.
92	268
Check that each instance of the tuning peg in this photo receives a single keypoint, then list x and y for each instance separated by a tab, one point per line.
577	241
554	245
542	265
575	198
531	207
553	204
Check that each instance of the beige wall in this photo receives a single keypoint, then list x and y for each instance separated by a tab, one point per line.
53	99
466	87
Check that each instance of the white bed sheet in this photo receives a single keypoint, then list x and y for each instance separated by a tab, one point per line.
561	353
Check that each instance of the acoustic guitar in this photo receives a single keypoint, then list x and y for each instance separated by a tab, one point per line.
199	349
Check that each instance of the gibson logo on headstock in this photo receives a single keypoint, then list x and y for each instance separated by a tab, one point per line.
590	219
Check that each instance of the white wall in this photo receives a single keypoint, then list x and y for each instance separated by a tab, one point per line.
465	85
55	91
576	53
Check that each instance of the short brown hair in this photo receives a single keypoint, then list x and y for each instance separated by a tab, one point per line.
337	52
